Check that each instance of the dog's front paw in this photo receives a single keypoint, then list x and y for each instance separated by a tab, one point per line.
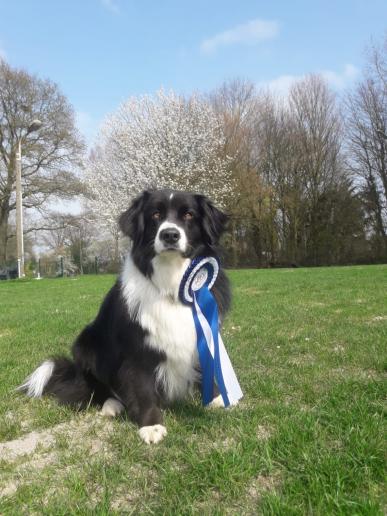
152	434
112	408
217	402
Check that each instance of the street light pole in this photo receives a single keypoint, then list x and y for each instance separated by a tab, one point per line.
36	124
19	215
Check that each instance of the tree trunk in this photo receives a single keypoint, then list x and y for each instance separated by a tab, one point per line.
3	235
116	237
380	228
293	239
377	207
234	259
257	242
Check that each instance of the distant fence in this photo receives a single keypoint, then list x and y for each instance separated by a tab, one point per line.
60	267
241	250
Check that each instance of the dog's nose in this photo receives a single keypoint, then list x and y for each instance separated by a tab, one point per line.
170	235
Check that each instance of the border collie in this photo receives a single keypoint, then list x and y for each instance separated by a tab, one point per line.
139	354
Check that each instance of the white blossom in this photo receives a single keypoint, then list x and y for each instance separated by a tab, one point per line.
160	141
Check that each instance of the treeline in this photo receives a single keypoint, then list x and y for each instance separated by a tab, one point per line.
303	176
310	171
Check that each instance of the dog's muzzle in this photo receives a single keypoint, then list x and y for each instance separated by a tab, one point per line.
170	237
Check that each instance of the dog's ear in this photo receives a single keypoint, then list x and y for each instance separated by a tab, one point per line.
131	222
213	220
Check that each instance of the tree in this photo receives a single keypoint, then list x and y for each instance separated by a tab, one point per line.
56	236
289	171
11	246
241	110
49	156
319	138
163	140
367	137
70	236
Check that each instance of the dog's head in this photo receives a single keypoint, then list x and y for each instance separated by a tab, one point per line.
168	221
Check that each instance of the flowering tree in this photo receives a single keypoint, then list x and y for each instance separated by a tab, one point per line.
157	141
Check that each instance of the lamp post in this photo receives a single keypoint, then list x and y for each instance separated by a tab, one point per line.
36	124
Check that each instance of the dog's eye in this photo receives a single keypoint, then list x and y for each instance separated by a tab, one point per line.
188	215
156	215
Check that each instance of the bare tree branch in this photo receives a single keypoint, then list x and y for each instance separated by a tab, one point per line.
49	158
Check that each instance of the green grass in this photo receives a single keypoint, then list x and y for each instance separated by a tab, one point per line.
309	347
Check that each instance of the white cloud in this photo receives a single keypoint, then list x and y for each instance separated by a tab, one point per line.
337	80
111	5
248	33
281	85
340	80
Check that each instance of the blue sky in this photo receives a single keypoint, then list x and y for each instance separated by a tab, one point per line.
102	51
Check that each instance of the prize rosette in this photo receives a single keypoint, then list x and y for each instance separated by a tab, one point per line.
195	290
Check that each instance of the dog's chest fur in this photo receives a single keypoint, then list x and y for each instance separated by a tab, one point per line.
154	304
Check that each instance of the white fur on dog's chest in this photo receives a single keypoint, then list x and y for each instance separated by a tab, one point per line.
172	331
169	323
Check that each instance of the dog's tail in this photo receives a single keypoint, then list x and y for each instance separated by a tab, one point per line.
62	378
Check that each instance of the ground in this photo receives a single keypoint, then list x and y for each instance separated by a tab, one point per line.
309	348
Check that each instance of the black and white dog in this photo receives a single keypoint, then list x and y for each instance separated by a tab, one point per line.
139	354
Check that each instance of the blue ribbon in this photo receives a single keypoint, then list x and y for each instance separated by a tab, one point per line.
210	366
205	359
195	291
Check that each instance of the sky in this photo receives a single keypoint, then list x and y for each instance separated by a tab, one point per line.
100	52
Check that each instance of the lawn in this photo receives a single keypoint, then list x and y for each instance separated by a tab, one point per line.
309	347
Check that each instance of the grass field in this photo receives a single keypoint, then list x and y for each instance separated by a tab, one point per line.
309	347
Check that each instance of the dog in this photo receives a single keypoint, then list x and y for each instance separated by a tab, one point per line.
139	354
